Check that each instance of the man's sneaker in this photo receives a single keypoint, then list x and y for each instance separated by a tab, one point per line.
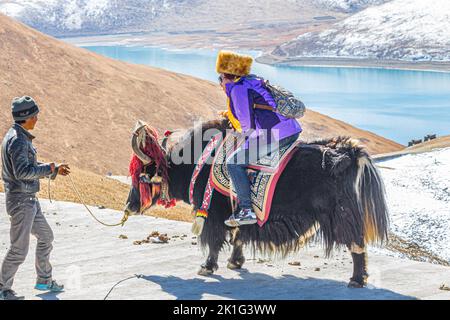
246	216
52	287
10	295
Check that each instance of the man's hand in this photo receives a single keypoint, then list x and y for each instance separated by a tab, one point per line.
63	169
52	167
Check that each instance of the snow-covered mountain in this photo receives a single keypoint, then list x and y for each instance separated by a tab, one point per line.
68	17
60	17
412	30
349	5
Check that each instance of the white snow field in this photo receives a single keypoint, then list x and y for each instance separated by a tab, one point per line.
418	195
90	258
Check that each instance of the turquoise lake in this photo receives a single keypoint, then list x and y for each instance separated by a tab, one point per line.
397	104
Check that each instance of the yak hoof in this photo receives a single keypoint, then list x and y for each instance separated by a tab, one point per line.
205	271
235	265
355	285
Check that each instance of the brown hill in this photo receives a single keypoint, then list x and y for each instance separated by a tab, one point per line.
438	143
90	103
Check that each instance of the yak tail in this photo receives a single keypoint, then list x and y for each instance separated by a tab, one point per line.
371	202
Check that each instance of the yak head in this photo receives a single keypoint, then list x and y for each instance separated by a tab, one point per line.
148	169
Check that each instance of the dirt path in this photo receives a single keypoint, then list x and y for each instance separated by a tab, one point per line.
90	259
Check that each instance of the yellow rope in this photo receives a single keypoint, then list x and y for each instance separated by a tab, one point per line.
121	223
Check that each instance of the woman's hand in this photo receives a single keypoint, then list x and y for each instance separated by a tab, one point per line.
223	114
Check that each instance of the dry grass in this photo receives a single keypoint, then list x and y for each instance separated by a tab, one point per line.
413	251
182	212
440	142
97	190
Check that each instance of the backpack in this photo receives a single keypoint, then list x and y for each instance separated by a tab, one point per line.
287	104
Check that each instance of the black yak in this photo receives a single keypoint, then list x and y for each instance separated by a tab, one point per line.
329	191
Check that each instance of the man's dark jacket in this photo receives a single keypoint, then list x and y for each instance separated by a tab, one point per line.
20	170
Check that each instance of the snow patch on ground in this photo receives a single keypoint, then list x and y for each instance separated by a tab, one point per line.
123	179
418	195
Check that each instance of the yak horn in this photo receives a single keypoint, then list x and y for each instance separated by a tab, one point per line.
166	138
137	140
164	143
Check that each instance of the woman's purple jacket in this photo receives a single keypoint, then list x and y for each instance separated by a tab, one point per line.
250	90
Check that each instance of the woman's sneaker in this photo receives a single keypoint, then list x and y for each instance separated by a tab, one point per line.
10	295
246	216
52	287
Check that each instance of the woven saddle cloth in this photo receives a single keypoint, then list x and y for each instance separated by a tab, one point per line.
263	175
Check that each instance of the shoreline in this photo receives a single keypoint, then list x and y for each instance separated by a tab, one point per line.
440	67
145	40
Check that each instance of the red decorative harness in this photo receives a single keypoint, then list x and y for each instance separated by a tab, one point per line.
207	196
159	184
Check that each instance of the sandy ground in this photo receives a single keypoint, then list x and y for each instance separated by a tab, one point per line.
90	259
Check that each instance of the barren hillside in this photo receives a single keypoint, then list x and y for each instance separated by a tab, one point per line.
90	103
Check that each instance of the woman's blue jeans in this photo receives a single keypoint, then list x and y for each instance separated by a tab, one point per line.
238	162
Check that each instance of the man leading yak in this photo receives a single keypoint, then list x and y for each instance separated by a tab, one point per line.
21	173
251	112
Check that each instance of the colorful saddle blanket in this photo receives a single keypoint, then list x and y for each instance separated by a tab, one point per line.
264	175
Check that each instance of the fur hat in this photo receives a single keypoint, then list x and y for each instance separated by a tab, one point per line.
233	63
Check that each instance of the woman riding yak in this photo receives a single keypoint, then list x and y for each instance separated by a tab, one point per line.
262	129
329	190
